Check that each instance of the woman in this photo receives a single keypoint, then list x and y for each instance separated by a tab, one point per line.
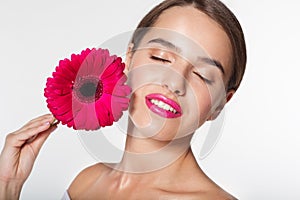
185	62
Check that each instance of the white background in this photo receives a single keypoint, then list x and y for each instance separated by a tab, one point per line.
257	156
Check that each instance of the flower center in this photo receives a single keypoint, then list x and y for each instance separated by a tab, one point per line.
88	89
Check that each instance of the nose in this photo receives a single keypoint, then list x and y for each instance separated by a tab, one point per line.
175	79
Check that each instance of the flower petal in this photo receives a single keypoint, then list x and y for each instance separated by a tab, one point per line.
92	120
80	118
83	113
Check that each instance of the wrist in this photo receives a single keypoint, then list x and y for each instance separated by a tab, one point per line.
10	190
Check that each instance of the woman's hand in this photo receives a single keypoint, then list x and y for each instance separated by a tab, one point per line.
19	153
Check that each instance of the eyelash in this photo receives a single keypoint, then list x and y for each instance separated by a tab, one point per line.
204	79
167	61
160	59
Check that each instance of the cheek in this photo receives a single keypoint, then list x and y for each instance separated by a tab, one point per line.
209	96
218	93
138	59
137	110
204	106
203	102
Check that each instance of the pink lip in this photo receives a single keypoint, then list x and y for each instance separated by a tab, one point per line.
162	112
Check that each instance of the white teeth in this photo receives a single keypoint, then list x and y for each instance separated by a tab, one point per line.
163	105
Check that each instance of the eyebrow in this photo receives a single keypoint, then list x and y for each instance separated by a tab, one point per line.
206	60
165	43
213	62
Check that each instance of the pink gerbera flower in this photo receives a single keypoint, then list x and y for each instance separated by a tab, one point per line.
88	91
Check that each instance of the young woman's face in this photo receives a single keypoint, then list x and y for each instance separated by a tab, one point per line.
178	74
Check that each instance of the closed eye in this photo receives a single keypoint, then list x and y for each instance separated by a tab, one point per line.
160	59
203	78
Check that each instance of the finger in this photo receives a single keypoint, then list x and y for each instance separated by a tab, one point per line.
34	122
19	138
40	121
45	116
38	127
12	144
38	142
55	122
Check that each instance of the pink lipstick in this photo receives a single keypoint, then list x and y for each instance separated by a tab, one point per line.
163	106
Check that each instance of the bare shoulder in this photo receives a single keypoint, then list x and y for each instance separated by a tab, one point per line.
200	186
214	191
85	179
221	195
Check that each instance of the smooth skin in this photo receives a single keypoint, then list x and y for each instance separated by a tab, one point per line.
19	154
182	179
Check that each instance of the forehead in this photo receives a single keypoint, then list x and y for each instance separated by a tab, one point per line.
201	29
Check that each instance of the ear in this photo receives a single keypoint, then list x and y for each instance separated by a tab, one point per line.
129	55
219	109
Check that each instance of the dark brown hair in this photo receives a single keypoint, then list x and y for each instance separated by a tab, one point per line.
217	11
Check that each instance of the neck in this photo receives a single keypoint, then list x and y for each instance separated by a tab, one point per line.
144	155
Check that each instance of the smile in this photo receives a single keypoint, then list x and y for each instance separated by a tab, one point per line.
163	106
